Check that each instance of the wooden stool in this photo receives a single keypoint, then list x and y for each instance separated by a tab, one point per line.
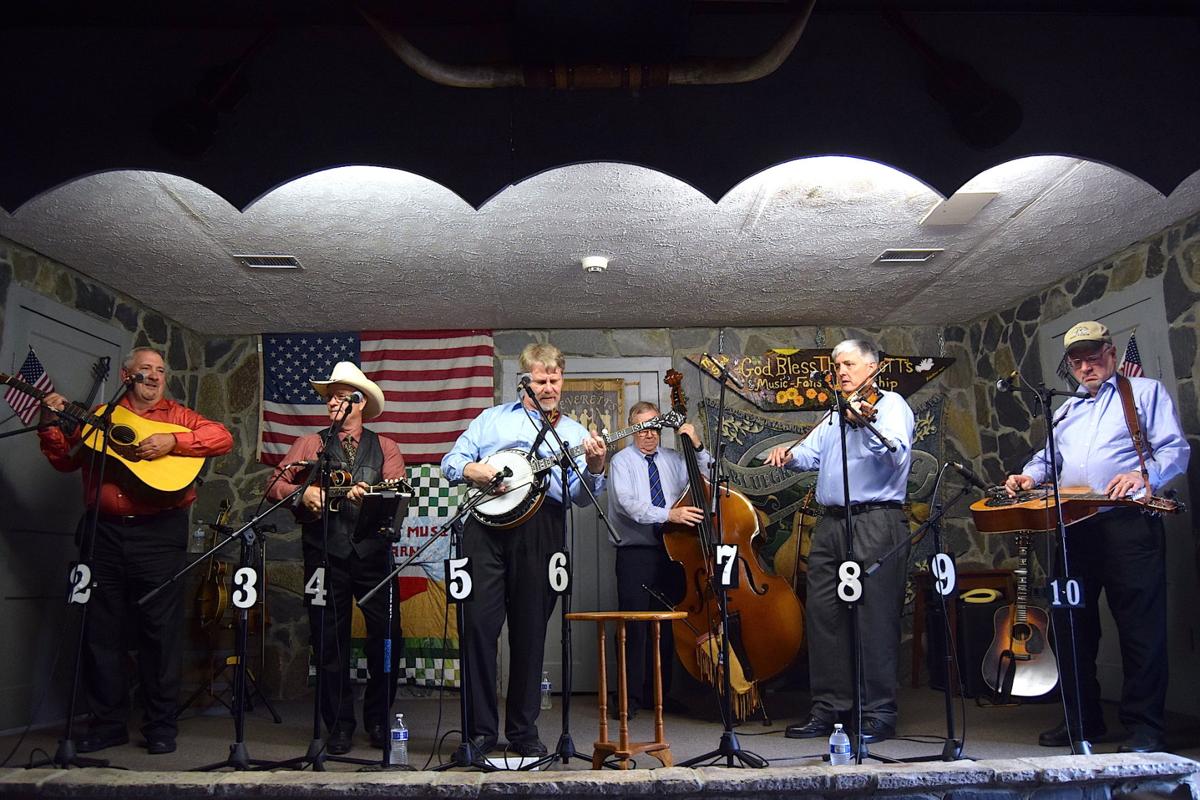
624	749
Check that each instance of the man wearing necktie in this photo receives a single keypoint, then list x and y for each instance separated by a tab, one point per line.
645	481
353	567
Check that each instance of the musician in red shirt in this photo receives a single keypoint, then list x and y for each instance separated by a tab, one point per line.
140	542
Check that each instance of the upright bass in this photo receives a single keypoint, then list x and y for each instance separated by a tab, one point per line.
766	619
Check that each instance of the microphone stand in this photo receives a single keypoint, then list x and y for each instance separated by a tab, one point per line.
952	750
66	755
1079	745
565	750
729	748
467	754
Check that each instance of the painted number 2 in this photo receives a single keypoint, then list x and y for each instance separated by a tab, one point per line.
849	587
245	595
80	579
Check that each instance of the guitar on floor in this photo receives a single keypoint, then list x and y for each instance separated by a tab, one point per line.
168	473
527	485
1034	509
1020	662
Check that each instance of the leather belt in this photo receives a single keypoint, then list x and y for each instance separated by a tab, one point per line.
130	520
861	508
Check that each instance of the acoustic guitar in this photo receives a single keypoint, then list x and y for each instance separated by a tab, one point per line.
1020	662
126	429
1034	509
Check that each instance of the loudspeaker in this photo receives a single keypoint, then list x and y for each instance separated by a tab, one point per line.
973	637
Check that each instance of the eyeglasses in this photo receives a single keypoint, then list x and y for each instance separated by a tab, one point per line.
1093	359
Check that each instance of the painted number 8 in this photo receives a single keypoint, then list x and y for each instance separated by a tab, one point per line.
849	581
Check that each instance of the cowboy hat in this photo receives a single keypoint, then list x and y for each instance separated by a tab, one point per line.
347	372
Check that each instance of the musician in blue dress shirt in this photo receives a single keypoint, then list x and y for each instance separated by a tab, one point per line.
645	481
509	565
878	481
1120	550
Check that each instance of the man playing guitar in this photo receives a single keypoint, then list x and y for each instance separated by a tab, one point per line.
141	539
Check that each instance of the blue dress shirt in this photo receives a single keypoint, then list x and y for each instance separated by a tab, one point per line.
509	426
876	475
1094	444
630	509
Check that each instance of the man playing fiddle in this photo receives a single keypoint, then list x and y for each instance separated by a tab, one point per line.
878	480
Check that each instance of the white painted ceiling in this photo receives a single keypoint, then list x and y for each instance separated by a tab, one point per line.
793	245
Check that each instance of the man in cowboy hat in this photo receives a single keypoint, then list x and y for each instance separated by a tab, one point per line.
1120	550
349	568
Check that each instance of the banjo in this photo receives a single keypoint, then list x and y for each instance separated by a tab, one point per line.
527	484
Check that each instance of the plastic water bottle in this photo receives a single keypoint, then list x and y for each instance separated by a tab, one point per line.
546	690
400	742
839	747
197	545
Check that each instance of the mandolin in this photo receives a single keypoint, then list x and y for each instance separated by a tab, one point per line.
169	473
1034	509
1020	662
341	482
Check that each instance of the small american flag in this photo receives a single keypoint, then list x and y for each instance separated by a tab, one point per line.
33	373
1131	362
434	384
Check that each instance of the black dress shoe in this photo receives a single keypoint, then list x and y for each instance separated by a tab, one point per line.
339	743
92	741
874	730
528	747
1059	737
812	729
1144	742
159	747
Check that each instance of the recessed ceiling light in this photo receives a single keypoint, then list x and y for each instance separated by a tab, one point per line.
268	262
594	263
908	255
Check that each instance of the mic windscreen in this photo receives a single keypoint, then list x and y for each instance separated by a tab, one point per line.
355	397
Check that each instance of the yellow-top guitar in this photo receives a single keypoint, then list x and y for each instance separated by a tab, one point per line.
125	429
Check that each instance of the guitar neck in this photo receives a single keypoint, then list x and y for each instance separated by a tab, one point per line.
1022	576
73	410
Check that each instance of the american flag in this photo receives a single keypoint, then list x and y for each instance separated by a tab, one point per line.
33	373
434	382
1131	363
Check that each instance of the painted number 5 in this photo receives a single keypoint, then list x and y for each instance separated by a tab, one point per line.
458	579
849	587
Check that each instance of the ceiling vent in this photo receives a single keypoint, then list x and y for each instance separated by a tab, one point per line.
269	262
958	209
911	255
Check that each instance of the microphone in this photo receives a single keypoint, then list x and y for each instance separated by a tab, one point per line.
817	375
725	374
1007	384
137	377
969	476
524	384
354	398
498	479
524	381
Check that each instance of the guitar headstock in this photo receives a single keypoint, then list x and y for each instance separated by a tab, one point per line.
674	379
672	419
226	506
100	368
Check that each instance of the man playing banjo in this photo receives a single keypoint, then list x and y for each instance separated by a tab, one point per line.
509	564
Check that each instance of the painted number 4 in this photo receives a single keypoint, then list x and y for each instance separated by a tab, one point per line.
315	588
849	586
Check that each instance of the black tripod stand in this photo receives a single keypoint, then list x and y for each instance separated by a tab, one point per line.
729	749
82	582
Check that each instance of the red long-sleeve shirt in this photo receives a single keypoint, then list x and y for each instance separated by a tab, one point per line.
121	493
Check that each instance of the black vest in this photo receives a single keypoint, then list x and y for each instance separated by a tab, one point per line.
368	467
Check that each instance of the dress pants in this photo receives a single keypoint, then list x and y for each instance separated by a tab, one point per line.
649	566
509	572
127	562
1122	552
830	662
352	577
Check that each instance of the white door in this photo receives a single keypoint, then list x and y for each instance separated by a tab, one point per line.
1140	310
41	509
593	557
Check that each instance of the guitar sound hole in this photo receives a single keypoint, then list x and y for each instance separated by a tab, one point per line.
123	435
1021	632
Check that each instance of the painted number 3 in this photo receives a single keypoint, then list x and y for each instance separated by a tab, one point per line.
245	595
850	581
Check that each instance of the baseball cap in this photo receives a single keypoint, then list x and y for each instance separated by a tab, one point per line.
1086	332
